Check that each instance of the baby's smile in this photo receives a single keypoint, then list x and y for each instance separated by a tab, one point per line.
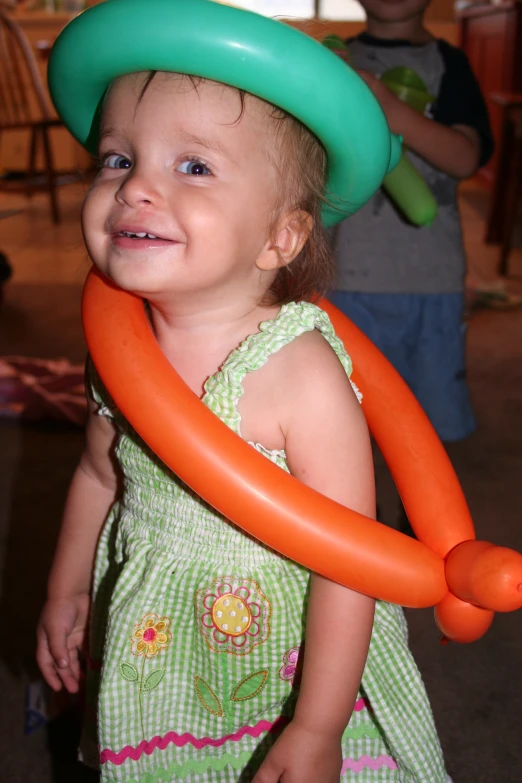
138	238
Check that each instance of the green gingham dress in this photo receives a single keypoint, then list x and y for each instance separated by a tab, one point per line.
197	627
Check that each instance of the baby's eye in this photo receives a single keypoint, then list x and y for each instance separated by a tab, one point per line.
193	167
116	162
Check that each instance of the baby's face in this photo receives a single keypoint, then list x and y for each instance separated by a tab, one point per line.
185	195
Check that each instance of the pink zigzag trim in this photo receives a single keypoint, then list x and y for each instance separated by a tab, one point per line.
128	752
365	761
180	740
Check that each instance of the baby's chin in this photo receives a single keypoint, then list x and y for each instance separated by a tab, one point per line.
134	277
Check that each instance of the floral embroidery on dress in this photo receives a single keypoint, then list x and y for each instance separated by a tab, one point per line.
288	670
250	686
207	697
150	636
234	615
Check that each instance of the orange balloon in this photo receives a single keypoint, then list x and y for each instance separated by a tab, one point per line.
288	516
487	575
460	621
421	469
240	483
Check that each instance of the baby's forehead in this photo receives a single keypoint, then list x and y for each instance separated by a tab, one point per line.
175	98
136	86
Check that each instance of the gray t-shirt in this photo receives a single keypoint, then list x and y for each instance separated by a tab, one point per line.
377	250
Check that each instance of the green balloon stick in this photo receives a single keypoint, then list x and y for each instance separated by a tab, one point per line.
404	184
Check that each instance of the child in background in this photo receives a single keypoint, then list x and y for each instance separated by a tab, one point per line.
217	658
404	285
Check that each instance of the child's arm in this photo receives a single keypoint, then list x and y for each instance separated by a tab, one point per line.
455	150
62	626
328	448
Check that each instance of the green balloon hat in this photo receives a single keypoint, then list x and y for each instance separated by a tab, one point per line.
239	48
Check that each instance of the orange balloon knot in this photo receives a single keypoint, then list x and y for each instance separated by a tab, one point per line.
485	575
460	621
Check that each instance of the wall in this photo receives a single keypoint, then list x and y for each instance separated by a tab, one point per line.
441	10
319	28
440	18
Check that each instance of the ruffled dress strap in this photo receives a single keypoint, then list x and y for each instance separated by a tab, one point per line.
224	389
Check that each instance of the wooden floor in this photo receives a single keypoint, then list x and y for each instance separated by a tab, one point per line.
39	251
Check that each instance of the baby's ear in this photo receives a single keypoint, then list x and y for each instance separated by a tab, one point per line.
292	232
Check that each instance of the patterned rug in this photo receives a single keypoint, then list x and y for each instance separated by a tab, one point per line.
40	389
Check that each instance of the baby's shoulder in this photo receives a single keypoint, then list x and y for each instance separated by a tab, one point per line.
302	379
311	350
309	364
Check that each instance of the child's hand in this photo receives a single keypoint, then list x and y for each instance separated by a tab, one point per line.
301	755
60	634
390	104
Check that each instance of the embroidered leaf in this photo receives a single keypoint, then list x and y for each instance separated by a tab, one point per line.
153	679
207	697
250	686
129	672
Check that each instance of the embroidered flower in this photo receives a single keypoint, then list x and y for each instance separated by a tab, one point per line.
234	614
289	668
151	635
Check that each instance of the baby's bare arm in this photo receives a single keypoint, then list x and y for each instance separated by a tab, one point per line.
62	626
91	493
328	448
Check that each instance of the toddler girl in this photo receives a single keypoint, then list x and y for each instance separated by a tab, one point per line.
212	657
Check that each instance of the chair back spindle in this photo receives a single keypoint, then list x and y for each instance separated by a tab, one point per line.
25	105
23	97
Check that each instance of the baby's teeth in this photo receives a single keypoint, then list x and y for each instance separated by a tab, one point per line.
140	234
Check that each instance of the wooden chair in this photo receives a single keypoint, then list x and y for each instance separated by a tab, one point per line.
24	104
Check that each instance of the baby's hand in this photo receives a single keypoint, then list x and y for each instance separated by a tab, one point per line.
302	756
60	634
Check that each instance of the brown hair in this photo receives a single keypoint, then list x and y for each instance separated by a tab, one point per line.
302	170
301	166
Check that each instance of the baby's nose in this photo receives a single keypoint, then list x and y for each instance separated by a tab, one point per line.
139	188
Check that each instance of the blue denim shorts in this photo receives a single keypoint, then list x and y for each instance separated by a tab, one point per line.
423	336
